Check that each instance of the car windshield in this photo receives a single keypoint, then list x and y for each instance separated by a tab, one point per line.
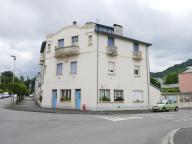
161	102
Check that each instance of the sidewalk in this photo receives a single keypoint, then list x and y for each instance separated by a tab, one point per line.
30	105
183	136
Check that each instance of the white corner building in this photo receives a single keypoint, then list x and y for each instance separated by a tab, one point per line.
93	67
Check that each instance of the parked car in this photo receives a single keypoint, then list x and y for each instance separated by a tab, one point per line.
165	105
1	96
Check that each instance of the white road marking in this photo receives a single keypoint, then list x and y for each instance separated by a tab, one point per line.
115	119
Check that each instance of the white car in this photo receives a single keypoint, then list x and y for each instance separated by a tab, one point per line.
6	95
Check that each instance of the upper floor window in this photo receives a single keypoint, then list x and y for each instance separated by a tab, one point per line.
90	37
136	71
48	48
74	40
118	95
61	43
135	47
59	69
74	67
104	95
111	68
111	41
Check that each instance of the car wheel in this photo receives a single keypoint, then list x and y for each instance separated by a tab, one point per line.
163	109
176	108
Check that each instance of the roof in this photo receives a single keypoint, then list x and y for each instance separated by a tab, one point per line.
123	37
119	36
43	45
189	70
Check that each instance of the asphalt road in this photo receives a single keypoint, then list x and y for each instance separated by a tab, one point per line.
20	127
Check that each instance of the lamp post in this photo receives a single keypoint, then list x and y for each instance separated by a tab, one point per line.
14	59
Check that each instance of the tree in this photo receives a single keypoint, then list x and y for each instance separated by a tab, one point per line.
155	82
171	78
7	77
19	89
1	91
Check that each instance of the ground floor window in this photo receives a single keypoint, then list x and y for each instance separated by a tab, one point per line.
185	98
65	95
137	96
118	95
104	95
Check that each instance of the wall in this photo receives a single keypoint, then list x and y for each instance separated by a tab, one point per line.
155	95
185	82
86	79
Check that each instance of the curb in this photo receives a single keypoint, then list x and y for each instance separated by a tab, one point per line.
168	139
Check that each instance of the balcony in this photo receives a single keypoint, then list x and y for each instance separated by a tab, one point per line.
42	59
66	51
137	55
112	50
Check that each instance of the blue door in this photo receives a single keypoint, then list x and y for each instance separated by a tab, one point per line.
54	99
78	99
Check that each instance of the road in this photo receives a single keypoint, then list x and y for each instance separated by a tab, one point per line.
20	127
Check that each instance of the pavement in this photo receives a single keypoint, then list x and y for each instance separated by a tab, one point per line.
21	127
30	105
183	136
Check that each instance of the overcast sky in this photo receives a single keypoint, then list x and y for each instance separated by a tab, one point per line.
167	24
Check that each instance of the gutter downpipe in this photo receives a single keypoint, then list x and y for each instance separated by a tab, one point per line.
148	75
97	68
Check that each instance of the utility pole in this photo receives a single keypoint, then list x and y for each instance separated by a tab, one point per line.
14	59
0	77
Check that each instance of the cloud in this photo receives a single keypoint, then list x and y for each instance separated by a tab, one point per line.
25	23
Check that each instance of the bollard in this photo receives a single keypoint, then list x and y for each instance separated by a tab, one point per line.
84	107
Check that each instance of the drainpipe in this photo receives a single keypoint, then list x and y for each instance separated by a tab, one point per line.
148	75
97	66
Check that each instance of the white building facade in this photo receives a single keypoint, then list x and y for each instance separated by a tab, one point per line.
94	67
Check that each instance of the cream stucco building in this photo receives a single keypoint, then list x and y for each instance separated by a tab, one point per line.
93	67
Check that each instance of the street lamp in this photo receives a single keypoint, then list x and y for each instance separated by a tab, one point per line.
14	59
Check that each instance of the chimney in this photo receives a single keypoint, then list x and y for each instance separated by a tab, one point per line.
74	23
118	29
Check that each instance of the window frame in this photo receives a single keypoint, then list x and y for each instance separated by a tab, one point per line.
48	48
59	43
90	39
74	40
104	95
65	95
111	64
117	94
110	43
71	71
137	100
59	73
136	75
136	47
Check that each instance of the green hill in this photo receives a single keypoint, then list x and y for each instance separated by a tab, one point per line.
178	68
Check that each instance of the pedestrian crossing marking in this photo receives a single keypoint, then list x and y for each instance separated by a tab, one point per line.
115	119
